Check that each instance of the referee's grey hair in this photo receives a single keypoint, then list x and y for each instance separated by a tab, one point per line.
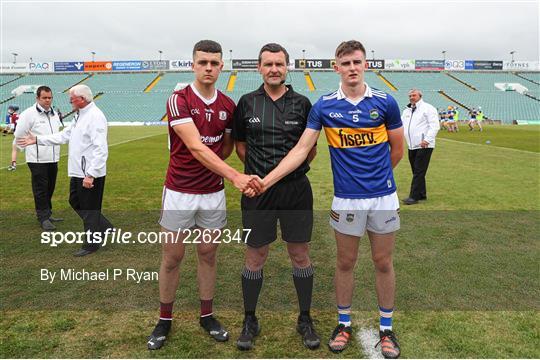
416	90
82	90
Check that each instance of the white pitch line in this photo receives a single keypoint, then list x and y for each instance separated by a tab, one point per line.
367	338
491	146
118	143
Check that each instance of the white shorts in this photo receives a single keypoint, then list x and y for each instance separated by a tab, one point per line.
184	211
379	215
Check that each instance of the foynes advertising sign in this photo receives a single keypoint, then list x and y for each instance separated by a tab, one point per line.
521	65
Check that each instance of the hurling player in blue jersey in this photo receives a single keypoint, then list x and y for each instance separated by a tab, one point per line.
365	139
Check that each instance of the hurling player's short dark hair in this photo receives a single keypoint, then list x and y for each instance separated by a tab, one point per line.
274	48
348	47
208	46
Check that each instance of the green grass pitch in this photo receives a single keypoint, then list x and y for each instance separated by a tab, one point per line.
467	261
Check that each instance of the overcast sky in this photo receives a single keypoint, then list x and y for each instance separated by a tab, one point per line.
130	30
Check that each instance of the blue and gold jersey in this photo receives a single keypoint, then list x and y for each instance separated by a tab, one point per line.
358	141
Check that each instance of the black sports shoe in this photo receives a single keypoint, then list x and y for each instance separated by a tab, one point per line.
389	344
214	328
250	329
340	338
309	336
159	335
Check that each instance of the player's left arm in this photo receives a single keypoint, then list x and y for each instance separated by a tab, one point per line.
228	145
312	154
313	151
394	129
395	139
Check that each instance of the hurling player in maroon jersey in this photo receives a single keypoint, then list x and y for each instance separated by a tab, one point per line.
200	124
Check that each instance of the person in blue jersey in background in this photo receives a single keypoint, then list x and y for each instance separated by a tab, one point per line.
365	139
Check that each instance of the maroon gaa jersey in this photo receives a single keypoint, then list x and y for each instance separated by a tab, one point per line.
213	118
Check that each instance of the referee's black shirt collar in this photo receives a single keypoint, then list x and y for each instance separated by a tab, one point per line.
289	92
261	91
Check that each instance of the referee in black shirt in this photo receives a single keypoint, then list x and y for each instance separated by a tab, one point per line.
268	123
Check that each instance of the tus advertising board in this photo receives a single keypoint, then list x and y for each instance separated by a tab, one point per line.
314	63
375	64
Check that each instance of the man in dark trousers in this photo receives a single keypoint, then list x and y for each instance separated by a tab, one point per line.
421	124
40	119
267	124
87	164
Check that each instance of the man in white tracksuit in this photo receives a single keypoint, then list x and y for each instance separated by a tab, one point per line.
87	164
40	119
421	124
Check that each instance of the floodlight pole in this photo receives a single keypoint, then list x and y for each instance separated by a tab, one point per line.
160	52
444	55
373	54
303	54
512	54
14	57
93	55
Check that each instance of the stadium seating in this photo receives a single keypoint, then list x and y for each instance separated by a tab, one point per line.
119	82
123	99
424	81
487	80
57	82
500	105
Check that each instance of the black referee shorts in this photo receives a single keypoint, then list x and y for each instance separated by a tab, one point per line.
290	202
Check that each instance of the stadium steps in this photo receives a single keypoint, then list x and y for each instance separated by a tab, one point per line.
153	83
12	80
309	81
386	81
526	78
78	82
8	99
461	81
531	96
232	81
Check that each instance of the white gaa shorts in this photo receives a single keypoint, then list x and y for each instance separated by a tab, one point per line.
379	215
183	211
